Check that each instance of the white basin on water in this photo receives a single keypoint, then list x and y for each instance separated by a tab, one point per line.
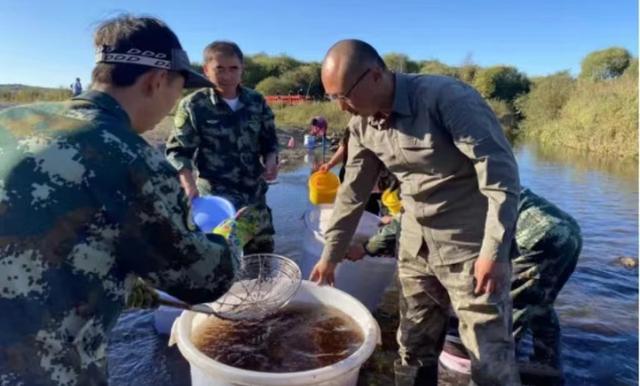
208	372
366	279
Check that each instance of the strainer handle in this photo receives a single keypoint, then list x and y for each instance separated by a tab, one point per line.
185	306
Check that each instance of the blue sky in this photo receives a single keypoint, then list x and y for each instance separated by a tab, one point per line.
48	43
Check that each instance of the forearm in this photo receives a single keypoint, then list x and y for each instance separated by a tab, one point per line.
337	157
361	174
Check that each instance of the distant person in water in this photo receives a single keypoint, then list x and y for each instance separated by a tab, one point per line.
76	88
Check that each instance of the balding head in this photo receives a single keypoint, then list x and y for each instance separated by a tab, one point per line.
349	58
355	76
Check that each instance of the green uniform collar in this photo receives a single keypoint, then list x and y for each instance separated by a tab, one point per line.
401	103
105	102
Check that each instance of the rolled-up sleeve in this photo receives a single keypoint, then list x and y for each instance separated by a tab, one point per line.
384	242
361	173
477	133
157	245
184	139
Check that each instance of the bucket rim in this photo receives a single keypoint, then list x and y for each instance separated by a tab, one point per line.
195	357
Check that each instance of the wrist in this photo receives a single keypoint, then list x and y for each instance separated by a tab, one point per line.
365	249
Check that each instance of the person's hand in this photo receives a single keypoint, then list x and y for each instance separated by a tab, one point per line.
325	167
271	168
488	274
386	220
239	230
355	252
142	296
323	273
188	184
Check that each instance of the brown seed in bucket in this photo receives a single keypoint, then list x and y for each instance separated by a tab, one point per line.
297	338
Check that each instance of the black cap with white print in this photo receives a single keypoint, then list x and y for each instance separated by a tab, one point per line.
175	59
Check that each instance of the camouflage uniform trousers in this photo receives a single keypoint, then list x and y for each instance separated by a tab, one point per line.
427	293
539	273
262	241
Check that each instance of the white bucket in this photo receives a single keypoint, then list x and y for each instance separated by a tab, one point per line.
309	141
366	279
208	372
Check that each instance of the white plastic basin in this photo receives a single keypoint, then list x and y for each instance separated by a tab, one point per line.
366	279
208	372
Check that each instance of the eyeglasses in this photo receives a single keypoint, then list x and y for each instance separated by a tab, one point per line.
344	96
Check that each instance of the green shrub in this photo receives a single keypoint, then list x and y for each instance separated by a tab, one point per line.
400	63
27	94
501	82
546	99
605	64
598	116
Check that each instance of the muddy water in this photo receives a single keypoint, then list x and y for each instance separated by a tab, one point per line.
598	308
297	338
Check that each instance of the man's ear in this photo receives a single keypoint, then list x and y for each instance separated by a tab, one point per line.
377	74
151	81
205	70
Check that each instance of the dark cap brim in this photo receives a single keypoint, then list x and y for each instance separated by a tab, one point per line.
195	80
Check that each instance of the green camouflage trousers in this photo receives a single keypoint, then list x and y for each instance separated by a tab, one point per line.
427	293
539	273
262	241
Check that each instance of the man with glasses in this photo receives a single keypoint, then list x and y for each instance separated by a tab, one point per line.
460	185
227	134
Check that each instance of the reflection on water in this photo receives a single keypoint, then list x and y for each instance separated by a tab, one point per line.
598	307
583	162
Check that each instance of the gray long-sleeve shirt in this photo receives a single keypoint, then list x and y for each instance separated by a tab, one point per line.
458	175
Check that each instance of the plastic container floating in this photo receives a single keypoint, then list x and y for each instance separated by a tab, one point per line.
366	279
209	372
208	212
323	187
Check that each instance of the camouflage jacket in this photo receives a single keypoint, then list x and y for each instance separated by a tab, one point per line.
86	206
537	219
383	243
226	147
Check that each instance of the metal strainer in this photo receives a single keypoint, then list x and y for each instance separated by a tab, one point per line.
263	284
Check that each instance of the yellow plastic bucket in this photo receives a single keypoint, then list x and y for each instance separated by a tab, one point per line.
323	187
391	200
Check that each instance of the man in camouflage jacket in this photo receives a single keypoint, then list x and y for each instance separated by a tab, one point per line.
227	135
87	207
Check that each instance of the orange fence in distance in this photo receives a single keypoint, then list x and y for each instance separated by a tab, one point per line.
287	99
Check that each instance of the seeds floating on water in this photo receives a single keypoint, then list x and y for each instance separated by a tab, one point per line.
297	338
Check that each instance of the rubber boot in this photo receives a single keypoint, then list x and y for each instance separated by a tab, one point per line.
408	375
